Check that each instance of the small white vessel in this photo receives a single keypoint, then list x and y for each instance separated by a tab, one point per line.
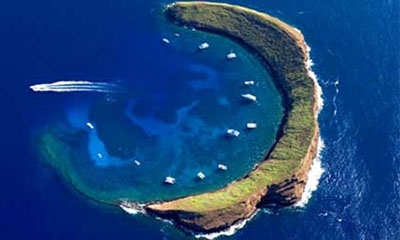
137	162
249	97
169	180
100	155
201	175
222	167
233	132
247	83
204	45
251	125
90	125
231	55
165	40
177	35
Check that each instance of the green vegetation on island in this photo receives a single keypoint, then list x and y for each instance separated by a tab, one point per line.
283	51
279	178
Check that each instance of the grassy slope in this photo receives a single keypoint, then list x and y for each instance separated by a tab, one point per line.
283	51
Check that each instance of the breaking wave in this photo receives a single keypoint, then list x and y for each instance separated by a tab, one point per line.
316	169
314	176
228	232
132	208
77	86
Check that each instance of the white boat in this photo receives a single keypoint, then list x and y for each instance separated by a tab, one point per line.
100	155
231	55
204	45
177	35
249	97
251	125
137	163
248	82
233	132
222	167
90	125
201	175
169	180
165	40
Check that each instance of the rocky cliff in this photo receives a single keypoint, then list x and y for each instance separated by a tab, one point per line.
284	193
281	177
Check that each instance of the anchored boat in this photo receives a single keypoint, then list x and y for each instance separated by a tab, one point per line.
249	97
233	132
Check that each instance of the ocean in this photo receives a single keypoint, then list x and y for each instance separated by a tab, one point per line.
355	48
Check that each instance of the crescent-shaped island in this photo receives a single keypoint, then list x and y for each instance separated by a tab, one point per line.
280	178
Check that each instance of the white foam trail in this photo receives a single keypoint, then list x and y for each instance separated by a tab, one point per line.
76	86
314	176
228	232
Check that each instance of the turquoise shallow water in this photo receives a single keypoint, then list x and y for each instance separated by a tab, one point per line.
174	123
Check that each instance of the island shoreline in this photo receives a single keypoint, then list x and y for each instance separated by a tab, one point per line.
284	192
296	183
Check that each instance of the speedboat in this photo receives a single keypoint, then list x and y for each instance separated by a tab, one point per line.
251	125
137	162
169	180
204	45
250	82
90	125
100	155
249	97
231	55
201	175
165	40
233	132
222	167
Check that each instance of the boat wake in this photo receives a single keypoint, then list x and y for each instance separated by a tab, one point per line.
77	86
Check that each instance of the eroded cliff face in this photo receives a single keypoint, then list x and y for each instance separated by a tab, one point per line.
211	221
290	191
279	192
284	193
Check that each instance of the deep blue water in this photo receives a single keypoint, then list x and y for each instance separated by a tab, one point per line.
354	43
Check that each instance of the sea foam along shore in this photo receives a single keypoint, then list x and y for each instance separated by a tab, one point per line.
316	169
314	176
314	173
134	209
228	232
